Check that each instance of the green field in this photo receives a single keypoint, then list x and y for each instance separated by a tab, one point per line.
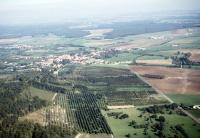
42	94
123	57
135	88
150	57
121	65
185	98
189	126
195	112
120	126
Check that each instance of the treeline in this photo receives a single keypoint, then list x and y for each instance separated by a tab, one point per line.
48	87
159	109
29	130
159	121
118	115
13	103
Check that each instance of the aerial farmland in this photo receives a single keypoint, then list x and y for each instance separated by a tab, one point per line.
121	77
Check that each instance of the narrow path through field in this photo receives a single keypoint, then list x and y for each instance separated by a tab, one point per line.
160	92
120	107
54	96
85	135
186	83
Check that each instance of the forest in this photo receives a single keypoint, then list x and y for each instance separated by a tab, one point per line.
14	103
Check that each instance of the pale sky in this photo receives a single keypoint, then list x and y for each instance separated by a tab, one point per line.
50	11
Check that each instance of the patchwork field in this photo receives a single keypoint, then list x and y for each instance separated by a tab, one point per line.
195	53
107	79
119	86
85	92
140	43
180	85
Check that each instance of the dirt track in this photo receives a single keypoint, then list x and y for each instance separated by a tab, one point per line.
155	62
120	107
85	135
175	80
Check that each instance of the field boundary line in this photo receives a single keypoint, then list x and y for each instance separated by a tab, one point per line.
157	90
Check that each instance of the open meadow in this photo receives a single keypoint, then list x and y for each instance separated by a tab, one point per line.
141	124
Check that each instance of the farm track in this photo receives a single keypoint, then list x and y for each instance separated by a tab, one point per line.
171	101
54	96
157	90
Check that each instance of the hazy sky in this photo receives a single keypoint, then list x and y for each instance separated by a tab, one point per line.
41	11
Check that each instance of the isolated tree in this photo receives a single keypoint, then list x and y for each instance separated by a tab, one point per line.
161	118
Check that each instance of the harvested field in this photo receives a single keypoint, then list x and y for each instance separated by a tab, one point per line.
155	62
195	57
140	43
175	80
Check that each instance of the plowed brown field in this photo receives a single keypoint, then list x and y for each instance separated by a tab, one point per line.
175	80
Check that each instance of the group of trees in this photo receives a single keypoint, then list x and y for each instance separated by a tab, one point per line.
159	109
138	126
181	59
158	121
13	103
49	87
118	115
29	130
181	130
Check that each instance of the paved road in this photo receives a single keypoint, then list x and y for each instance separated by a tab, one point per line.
170	100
